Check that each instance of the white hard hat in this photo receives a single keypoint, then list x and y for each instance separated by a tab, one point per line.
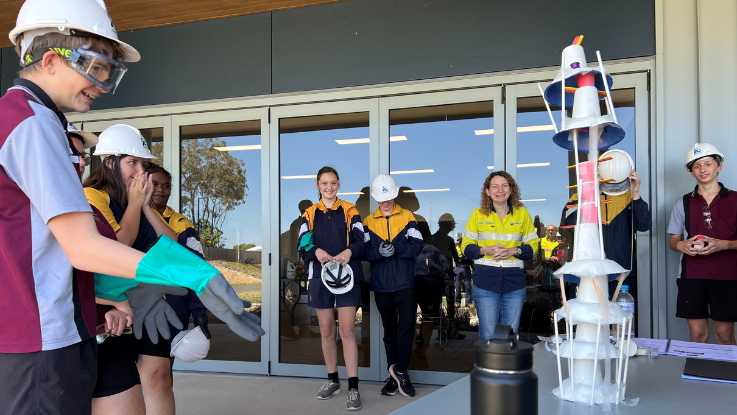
618	168
190	345
337	277
122	139
39	17
384	188
701	150
90	140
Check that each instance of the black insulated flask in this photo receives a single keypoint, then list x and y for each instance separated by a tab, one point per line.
502	380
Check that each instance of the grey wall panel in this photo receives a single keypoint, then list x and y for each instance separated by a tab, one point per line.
363	42
196	61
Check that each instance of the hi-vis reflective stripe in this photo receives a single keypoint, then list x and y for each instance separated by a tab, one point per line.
413	233
507	263
358	225
366	237
493	236
529	237
470	235
304	229
309	276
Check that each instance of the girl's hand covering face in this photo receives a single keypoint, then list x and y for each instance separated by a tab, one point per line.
138	189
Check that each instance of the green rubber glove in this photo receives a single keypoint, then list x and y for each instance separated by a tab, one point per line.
112	288
168	263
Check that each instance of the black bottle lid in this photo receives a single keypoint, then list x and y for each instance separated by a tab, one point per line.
504	352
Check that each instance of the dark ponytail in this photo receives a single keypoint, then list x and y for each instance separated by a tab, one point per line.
326	169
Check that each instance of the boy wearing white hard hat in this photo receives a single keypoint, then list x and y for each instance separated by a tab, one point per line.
623	212
70	53
394	240
703	228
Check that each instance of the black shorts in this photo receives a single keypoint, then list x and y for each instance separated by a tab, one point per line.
701	298
49	382
147	347
116	366
321	297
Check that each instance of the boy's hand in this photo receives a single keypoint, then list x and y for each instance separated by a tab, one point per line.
712	245
688	246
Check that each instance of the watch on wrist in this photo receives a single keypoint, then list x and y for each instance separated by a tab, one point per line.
519	251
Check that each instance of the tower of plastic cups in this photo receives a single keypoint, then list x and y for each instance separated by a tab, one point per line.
596	369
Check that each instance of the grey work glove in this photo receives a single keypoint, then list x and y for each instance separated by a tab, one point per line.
149	308
224	303
386	249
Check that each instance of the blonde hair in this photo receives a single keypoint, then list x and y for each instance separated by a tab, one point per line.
96	44
515	198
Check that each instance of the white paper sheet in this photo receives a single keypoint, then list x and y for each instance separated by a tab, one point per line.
702	350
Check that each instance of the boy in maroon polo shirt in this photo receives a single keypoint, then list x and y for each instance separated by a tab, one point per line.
703	227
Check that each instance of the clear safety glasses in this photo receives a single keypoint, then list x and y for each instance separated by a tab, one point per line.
105	73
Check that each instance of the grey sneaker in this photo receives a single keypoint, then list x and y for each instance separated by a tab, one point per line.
354	400
328	389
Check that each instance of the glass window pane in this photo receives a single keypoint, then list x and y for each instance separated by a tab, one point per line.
439	157
221	196
306	145
543	176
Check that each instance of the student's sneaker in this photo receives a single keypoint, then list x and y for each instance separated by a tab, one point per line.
328	389
354	400
390	387
404	384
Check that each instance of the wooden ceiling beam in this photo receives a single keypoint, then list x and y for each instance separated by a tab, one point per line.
141	14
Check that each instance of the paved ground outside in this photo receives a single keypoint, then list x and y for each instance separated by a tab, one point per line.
223	394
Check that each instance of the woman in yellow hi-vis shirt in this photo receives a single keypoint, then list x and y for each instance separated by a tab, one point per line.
499	236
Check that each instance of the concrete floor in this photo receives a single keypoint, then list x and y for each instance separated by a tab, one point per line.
222	394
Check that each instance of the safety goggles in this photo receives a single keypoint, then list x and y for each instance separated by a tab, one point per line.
105	73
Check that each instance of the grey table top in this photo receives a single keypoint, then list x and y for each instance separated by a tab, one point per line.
657	382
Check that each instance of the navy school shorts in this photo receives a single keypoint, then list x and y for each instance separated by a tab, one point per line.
321	297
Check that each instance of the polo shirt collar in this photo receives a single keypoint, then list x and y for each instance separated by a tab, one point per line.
42	97
509	204
723	192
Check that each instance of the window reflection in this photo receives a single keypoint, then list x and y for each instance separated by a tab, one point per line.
444	154
220	191
307	144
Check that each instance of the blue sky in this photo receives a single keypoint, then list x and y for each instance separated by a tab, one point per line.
458	157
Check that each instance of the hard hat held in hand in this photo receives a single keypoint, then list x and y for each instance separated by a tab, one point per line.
618	168
39	17
337	277
701	150
384	188
122	139
190	345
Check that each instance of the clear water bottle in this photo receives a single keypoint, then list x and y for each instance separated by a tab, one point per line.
625	300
